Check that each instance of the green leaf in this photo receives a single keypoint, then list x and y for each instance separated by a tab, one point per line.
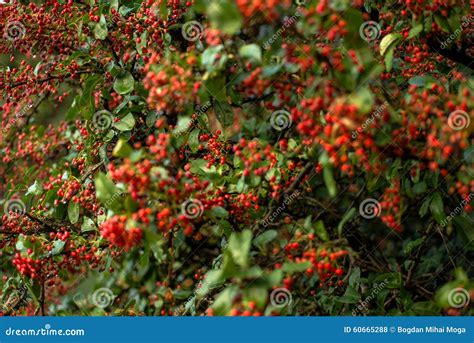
274	278
124	83
224	15
228	267
100	28
198	166
219	212
183	125
265	238
126	123
442	22
73	210
419	188
329	180
389	59
464	224
84	104
424	207
251	51
388	41
35	189
21	243
415	31
437	208
355	277
212	279
122	149
106	191
454	21
223	302
390	280
421	81
239	247
410	245
35	290
164	11
209	57
294	267
193	140
351	296
425	308
88	225
58	246
241	186
216	87
363	98
151	118
345	219
224	113
321	231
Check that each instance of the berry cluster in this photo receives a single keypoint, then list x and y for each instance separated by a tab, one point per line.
115	231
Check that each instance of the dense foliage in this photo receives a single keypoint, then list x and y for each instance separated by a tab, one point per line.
247	157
